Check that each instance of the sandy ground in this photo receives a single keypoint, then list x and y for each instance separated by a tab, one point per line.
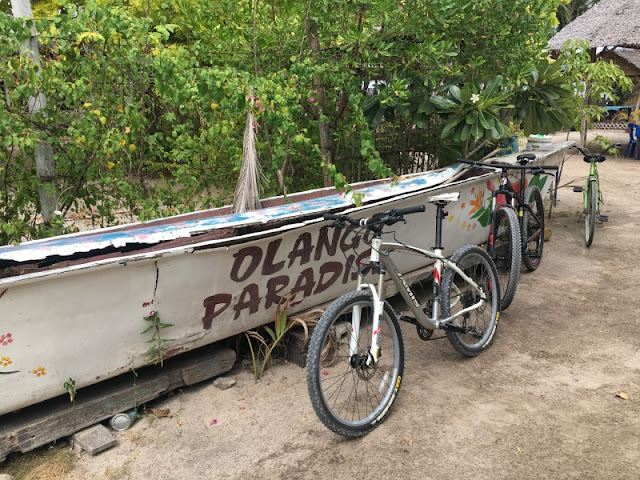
541	403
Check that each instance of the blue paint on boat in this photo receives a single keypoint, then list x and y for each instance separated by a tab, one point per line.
148	233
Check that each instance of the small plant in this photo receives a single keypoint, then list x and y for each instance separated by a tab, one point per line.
70	387
154	354
281	326
605	143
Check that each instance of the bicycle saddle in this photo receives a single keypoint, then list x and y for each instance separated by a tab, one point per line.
444	198
525	158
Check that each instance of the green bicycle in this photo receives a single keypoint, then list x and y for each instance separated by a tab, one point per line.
591	192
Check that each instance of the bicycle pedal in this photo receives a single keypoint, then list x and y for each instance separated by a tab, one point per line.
406	318
578	189
603	218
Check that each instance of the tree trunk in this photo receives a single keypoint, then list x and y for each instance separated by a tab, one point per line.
45	162
320	100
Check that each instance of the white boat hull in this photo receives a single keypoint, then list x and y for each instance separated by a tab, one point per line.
84	322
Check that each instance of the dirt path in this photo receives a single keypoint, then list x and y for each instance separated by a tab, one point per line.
541	403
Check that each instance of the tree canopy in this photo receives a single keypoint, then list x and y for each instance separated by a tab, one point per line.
147	100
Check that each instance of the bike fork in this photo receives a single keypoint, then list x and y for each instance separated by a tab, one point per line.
377	295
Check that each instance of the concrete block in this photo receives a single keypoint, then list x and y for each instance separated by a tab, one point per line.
95	439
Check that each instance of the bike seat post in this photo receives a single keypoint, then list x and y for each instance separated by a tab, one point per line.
441	213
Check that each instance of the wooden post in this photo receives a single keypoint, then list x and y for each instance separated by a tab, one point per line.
44	159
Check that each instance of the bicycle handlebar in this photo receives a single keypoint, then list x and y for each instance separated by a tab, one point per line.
591	157
388	217
476	165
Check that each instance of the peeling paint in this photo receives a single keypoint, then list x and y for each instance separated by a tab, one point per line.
154	232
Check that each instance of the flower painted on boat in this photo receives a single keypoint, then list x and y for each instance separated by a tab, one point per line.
451	217
39	372
463	205
6	339
463	225
490	186
476	204
5	361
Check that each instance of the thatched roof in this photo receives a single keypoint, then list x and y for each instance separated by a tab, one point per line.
631	55
609	23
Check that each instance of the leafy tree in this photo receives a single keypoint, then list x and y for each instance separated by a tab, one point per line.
147	110
569	10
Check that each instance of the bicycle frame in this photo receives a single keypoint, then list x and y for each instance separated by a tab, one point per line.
593	175
381	261
516	201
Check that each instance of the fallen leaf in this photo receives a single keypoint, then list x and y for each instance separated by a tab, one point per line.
519	449
159	412
622	395
408	441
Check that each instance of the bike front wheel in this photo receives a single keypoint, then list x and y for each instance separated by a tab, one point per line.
350	393
507	254
479	325
590	212
532	228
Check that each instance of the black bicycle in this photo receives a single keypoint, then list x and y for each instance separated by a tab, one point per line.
517	218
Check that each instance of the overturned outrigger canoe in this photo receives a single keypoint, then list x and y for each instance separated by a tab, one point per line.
73	307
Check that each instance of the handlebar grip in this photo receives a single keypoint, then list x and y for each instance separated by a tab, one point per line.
341	218
409	210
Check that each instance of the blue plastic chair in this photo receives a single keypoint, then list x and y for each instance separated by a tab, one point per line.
631	146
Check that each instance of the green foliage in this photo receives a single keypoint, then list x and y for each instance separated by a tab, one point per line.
70	388
473	111
154	353
146	101
545	102
593	81
275	335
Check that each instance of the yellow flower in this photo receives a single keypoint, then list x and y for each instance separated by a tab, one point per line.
451	218
39	372
5	361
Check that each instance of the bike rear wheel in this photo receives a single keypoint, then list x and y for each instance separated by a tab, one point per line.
533	229
590	212
480	324
507	254
350	397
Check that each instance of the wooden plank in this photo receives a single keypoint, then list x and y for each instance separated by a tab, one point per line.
45	422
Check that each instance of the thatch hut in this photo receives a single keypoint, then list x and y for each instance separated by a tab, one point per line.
608	25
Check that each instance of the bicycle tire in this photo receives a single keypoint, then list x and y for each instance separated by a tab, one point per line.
457	294
507	254
532	229
590	212
350	398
